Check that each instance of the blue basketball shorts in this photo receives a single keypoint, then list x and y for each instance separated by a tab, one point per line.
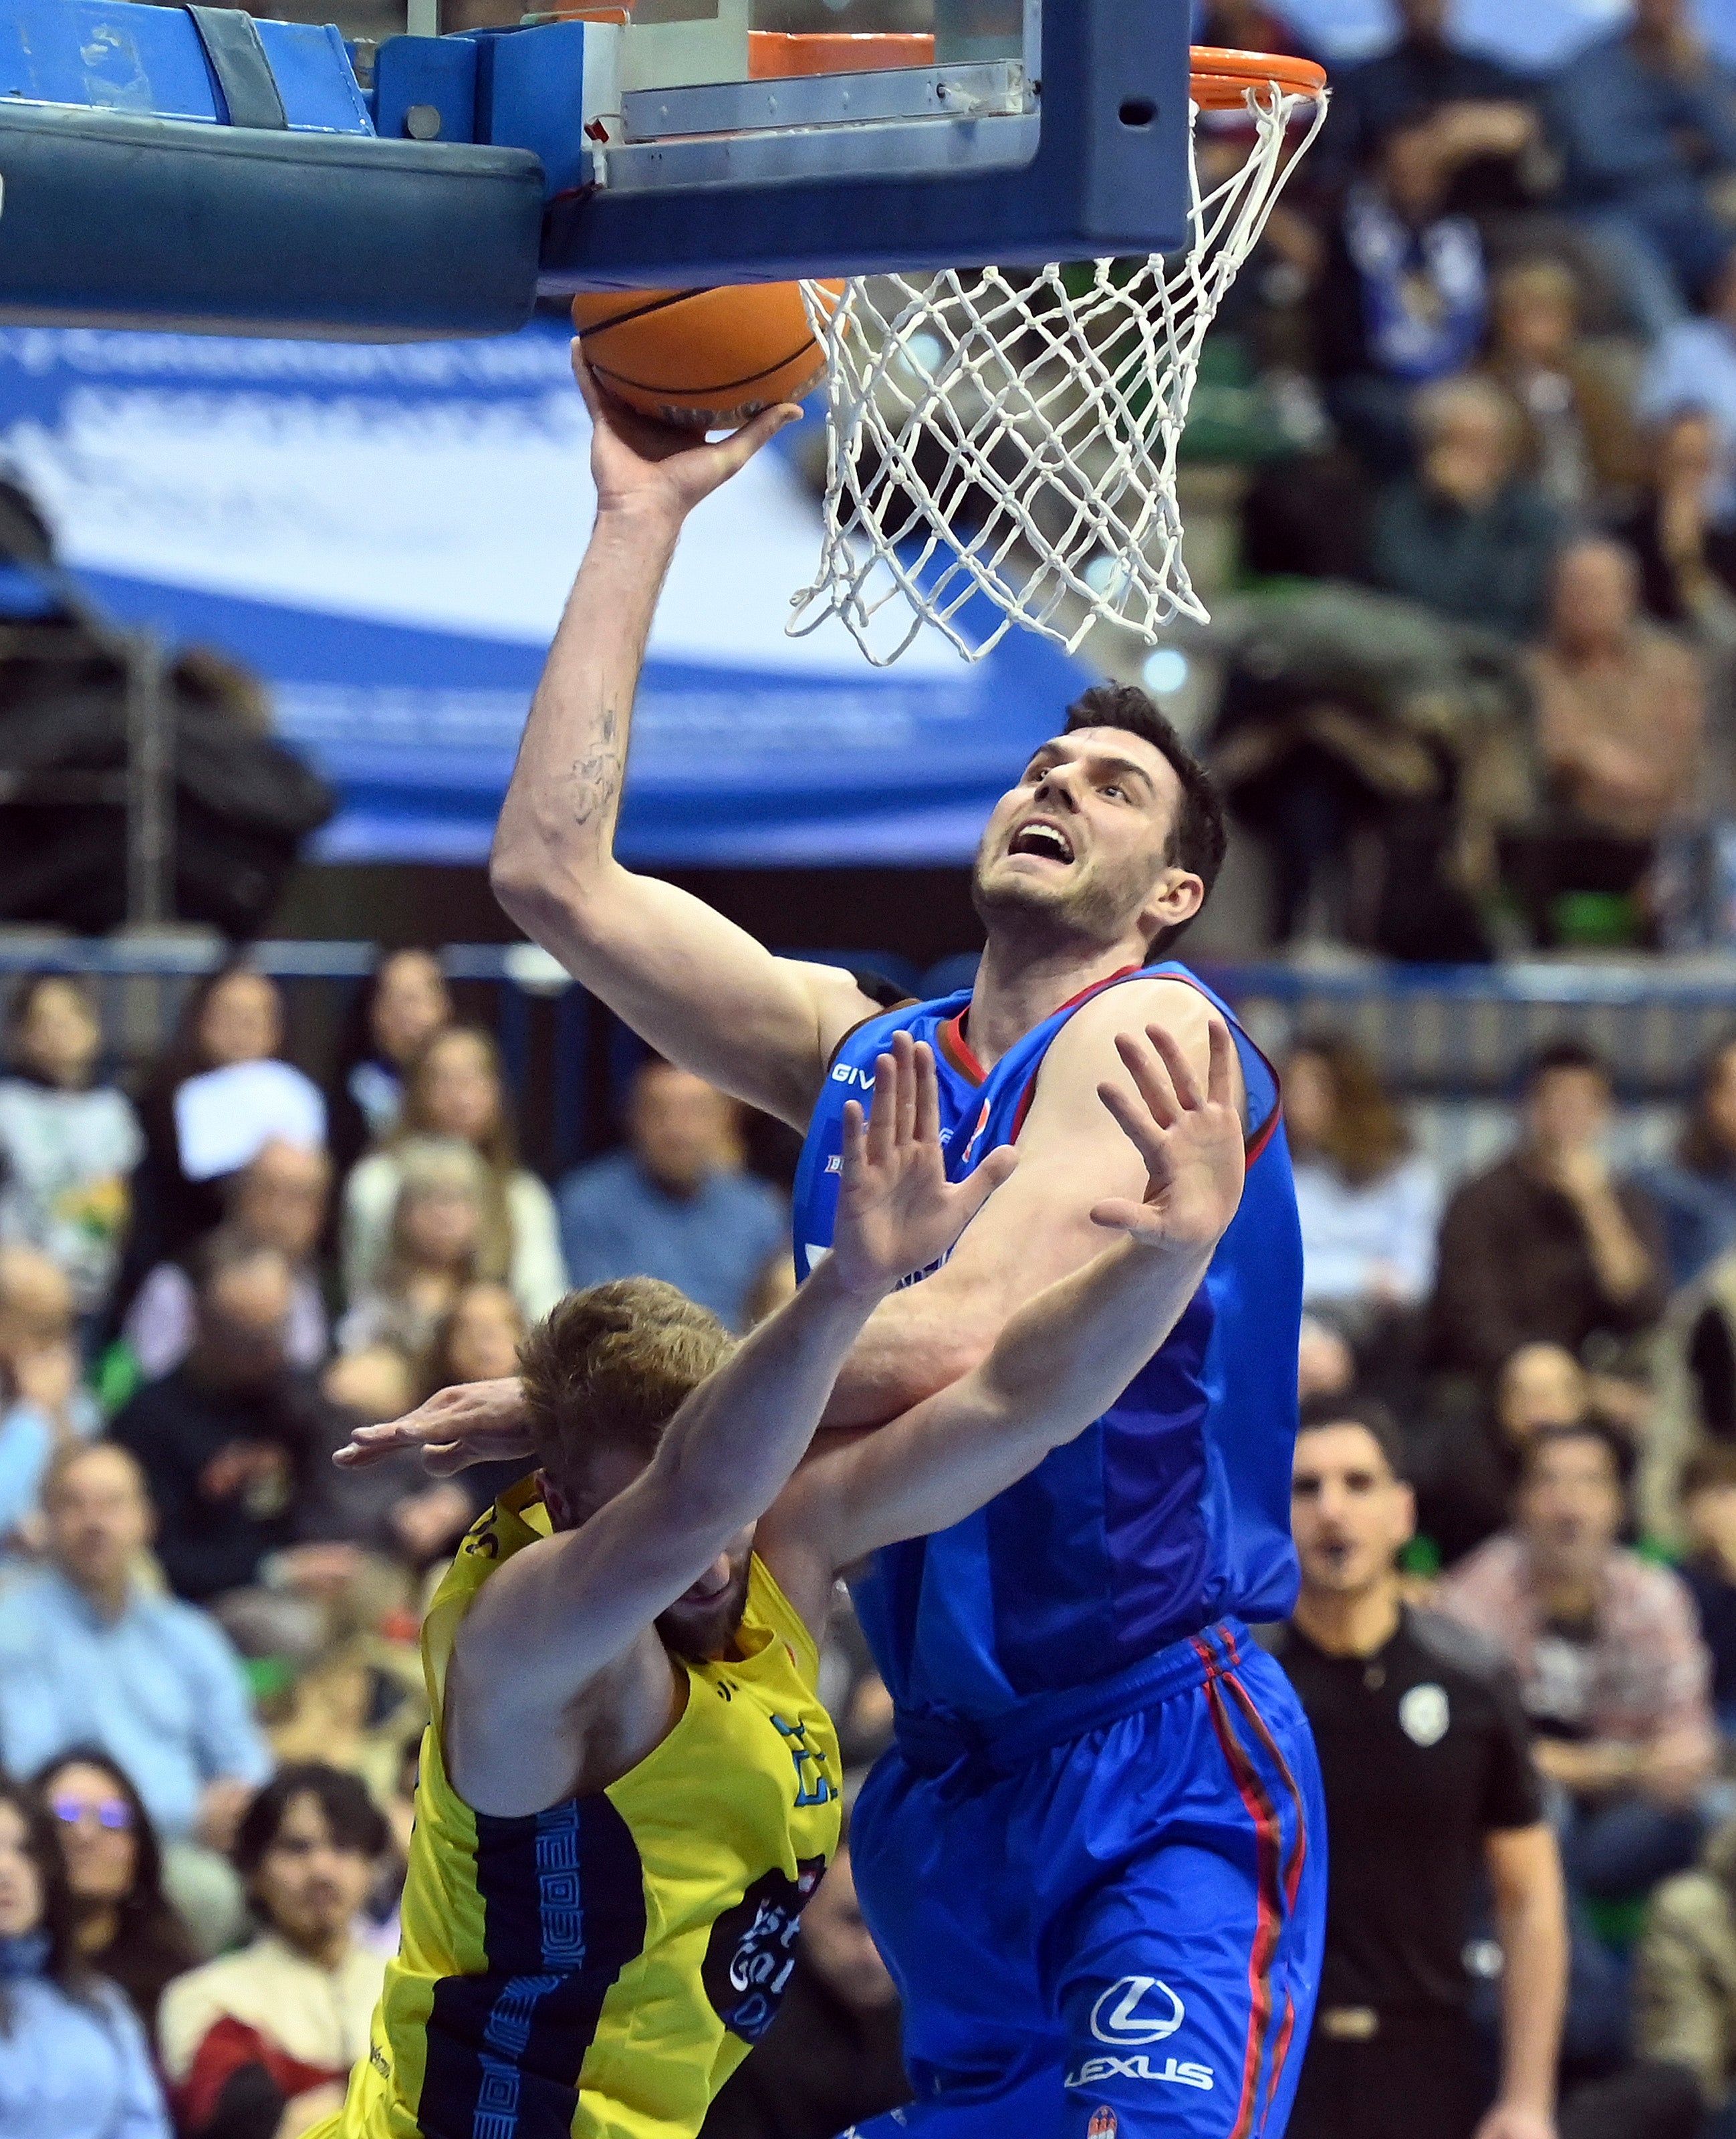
1104	1916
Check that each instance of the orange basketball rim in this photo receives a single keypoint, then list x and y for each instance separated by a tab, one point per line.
1221	78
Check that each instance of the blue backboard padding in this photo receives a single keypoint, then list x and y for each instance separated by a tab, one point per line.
260	232
530	87
440	72
100	54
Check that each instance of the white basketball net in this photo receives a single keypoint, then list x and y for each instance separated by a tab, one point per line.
1042	412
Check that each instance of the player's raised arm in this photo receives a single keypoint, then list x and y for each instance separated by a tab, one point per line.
1063	1358
559	1611
700	990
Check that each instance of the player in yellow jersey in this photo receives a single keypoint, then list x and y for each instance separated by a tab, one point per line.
630	1788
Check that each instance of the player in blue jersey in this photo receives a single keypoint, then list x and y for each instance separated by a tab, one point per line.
1094	1860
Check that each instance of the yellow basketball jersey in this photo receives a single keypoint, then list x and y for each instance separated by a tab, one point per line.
598	1970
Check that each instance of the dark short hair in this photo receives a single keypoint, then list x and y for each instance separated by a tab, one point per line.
1369	1413
356	1821
1565	1054
1709	1469
1537	1445
1197	838
611	1366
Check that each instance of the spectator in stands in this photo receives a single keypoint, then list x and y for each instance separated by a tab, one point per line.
1325	1363
1612	1669
446	1233
1429	1787
395	1505
1466	535
1686	552
676	1203
1423	74
1684	1979
1696	1191
1709	1517
1403	298
229	1441
1465	1460
1369	1207
199	1126
1693	1372
1644	117
454	1088
74	2063
1546	1246
67	1143
260	2044
91	1654
43	1404
479	1340
405	1003
1577	440
277	1202
1694	367
832	2055
126	1925
1621	705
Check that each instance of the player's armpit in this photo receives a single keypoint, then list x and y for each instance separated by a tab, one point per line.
1036	1228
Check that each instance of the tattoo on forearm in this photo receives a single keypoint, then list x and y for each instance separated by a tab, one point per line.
597	777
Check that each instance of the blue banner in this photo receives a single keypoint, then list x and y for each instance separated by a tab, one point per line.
386	534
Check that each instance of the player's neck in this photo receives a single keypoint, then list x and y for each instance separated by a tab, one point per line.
1359	1624
1017	988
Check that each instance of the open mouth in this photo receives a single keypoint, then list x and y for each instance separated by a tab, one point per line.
1043	842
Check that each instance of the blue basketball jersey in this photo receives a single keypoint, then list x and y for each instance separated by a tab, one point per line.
1170	1511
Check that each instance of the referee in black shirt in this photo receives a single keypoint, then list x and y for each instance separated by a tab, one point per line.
1429	1783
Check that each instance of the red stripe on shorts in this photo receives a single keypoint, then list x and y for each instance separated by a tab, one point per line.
1268	1902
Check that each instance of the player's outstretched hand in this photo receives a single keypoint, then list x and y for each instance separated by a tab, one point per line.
1191	1141
897	1211
636	462
474	1422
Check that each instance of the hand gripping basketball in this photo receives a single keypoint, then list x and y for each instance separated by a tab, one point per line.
639	463
1192	1142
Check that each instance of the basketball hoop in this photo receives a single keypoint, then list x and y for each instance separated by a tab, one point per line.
1040	411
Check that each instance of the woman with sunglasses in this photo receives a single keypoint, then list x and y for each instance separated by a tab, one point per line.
126	1924
74	2063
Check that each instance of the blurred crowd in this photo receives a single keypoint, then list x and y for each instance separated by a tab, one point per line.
211	1699
1480	694
1477	684
211	1695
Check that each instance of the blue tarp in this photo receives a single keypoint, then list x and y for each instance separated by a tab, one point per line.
386	534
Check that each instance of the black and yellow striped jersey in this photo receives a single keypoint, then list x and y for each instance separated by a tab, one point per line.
597	1971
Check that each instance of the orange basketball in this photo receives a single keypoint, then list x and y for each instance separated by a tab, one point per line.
707	360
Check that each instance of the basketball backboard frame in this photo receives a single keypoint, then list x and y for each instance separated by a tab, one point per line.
1037	135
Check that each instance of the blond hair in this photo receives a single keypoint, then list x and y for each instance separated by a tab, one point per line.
610	1367
448	1165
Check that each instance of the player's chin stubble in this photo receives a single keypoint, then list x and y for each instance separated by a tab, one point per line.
700	1633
